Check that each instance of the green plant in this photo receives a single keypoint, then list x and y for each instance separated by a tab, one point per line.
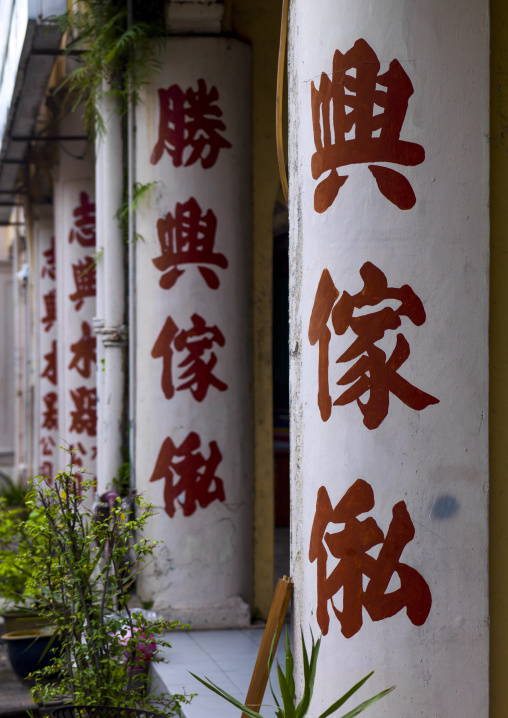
85	565
98	255
12	571
112	47
12	493
139	192
16	560
122	481
289	708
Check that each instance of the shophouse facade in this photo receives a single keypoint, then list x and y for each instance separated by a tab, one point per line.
163	344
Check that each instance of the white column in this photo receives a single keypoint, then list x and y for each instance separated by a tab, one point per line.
389	341
46	426
110	321
193	330
76	289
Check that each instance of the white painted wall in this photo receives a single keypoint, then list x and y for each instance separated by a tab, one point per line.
433	459
203	573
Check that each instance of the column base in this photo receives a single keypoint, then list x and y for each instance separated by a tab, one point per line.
233	613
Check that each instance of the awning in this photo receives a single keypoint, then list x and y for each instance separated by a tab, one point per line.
27	53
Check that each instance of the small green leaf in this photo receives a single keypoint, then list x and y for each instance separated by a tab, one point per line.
345	697
216	689
287	698
303	706
364	705
289	666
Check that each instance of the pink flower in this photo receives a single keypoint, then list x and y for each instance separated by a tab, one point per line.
146	649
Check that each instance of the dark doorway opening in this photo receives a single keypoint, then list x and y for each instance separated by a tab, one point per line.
280	349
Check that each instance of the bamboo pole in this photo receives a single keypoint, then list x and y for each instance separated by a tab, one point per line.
280	97
271	637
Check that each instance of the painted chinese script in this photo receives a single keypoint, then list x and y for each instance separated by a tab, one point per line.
81	351
49	300
189	475
50	368
83	231
198	360
188	237
191	132
372	374
48	404
49	267
190	126
349	130
350	546
84	275
84	352
84	413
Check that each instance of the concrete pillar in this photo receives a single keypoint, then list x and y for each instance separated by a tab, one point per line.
193	330
23	442
7	384
109	323
46	427
389	341
77	358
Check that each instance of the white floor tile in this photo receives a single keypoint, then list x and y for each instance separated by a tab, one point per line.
226	657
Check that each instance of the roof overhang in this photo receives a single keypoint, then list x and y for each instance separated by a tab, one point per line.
28	46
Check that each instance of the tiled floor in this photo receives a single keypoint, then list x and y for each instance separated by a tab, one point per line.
14	695
225	657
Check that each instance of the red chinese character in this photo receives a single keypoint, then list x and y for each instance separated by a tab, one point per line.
50	415
197	375
188	238
351	101
190	119
372	373
93	453
163	348
49	268
84	226
84	352
84	277
46	470
196	475
49	300
50	371
48	444
350	546
84	418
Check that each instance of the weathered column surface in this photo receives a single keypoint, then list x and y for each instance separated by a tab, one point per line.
192	330
109	323
76	285
389	321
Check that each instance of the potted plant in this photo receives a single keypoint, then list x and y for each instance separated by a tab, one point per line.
15	565
31	649
86	565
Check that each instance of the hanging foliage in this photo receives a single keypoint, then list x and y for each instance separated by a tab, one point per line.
117	42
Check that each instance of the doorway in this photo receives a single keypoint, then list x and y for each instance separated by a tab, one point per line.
280	354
